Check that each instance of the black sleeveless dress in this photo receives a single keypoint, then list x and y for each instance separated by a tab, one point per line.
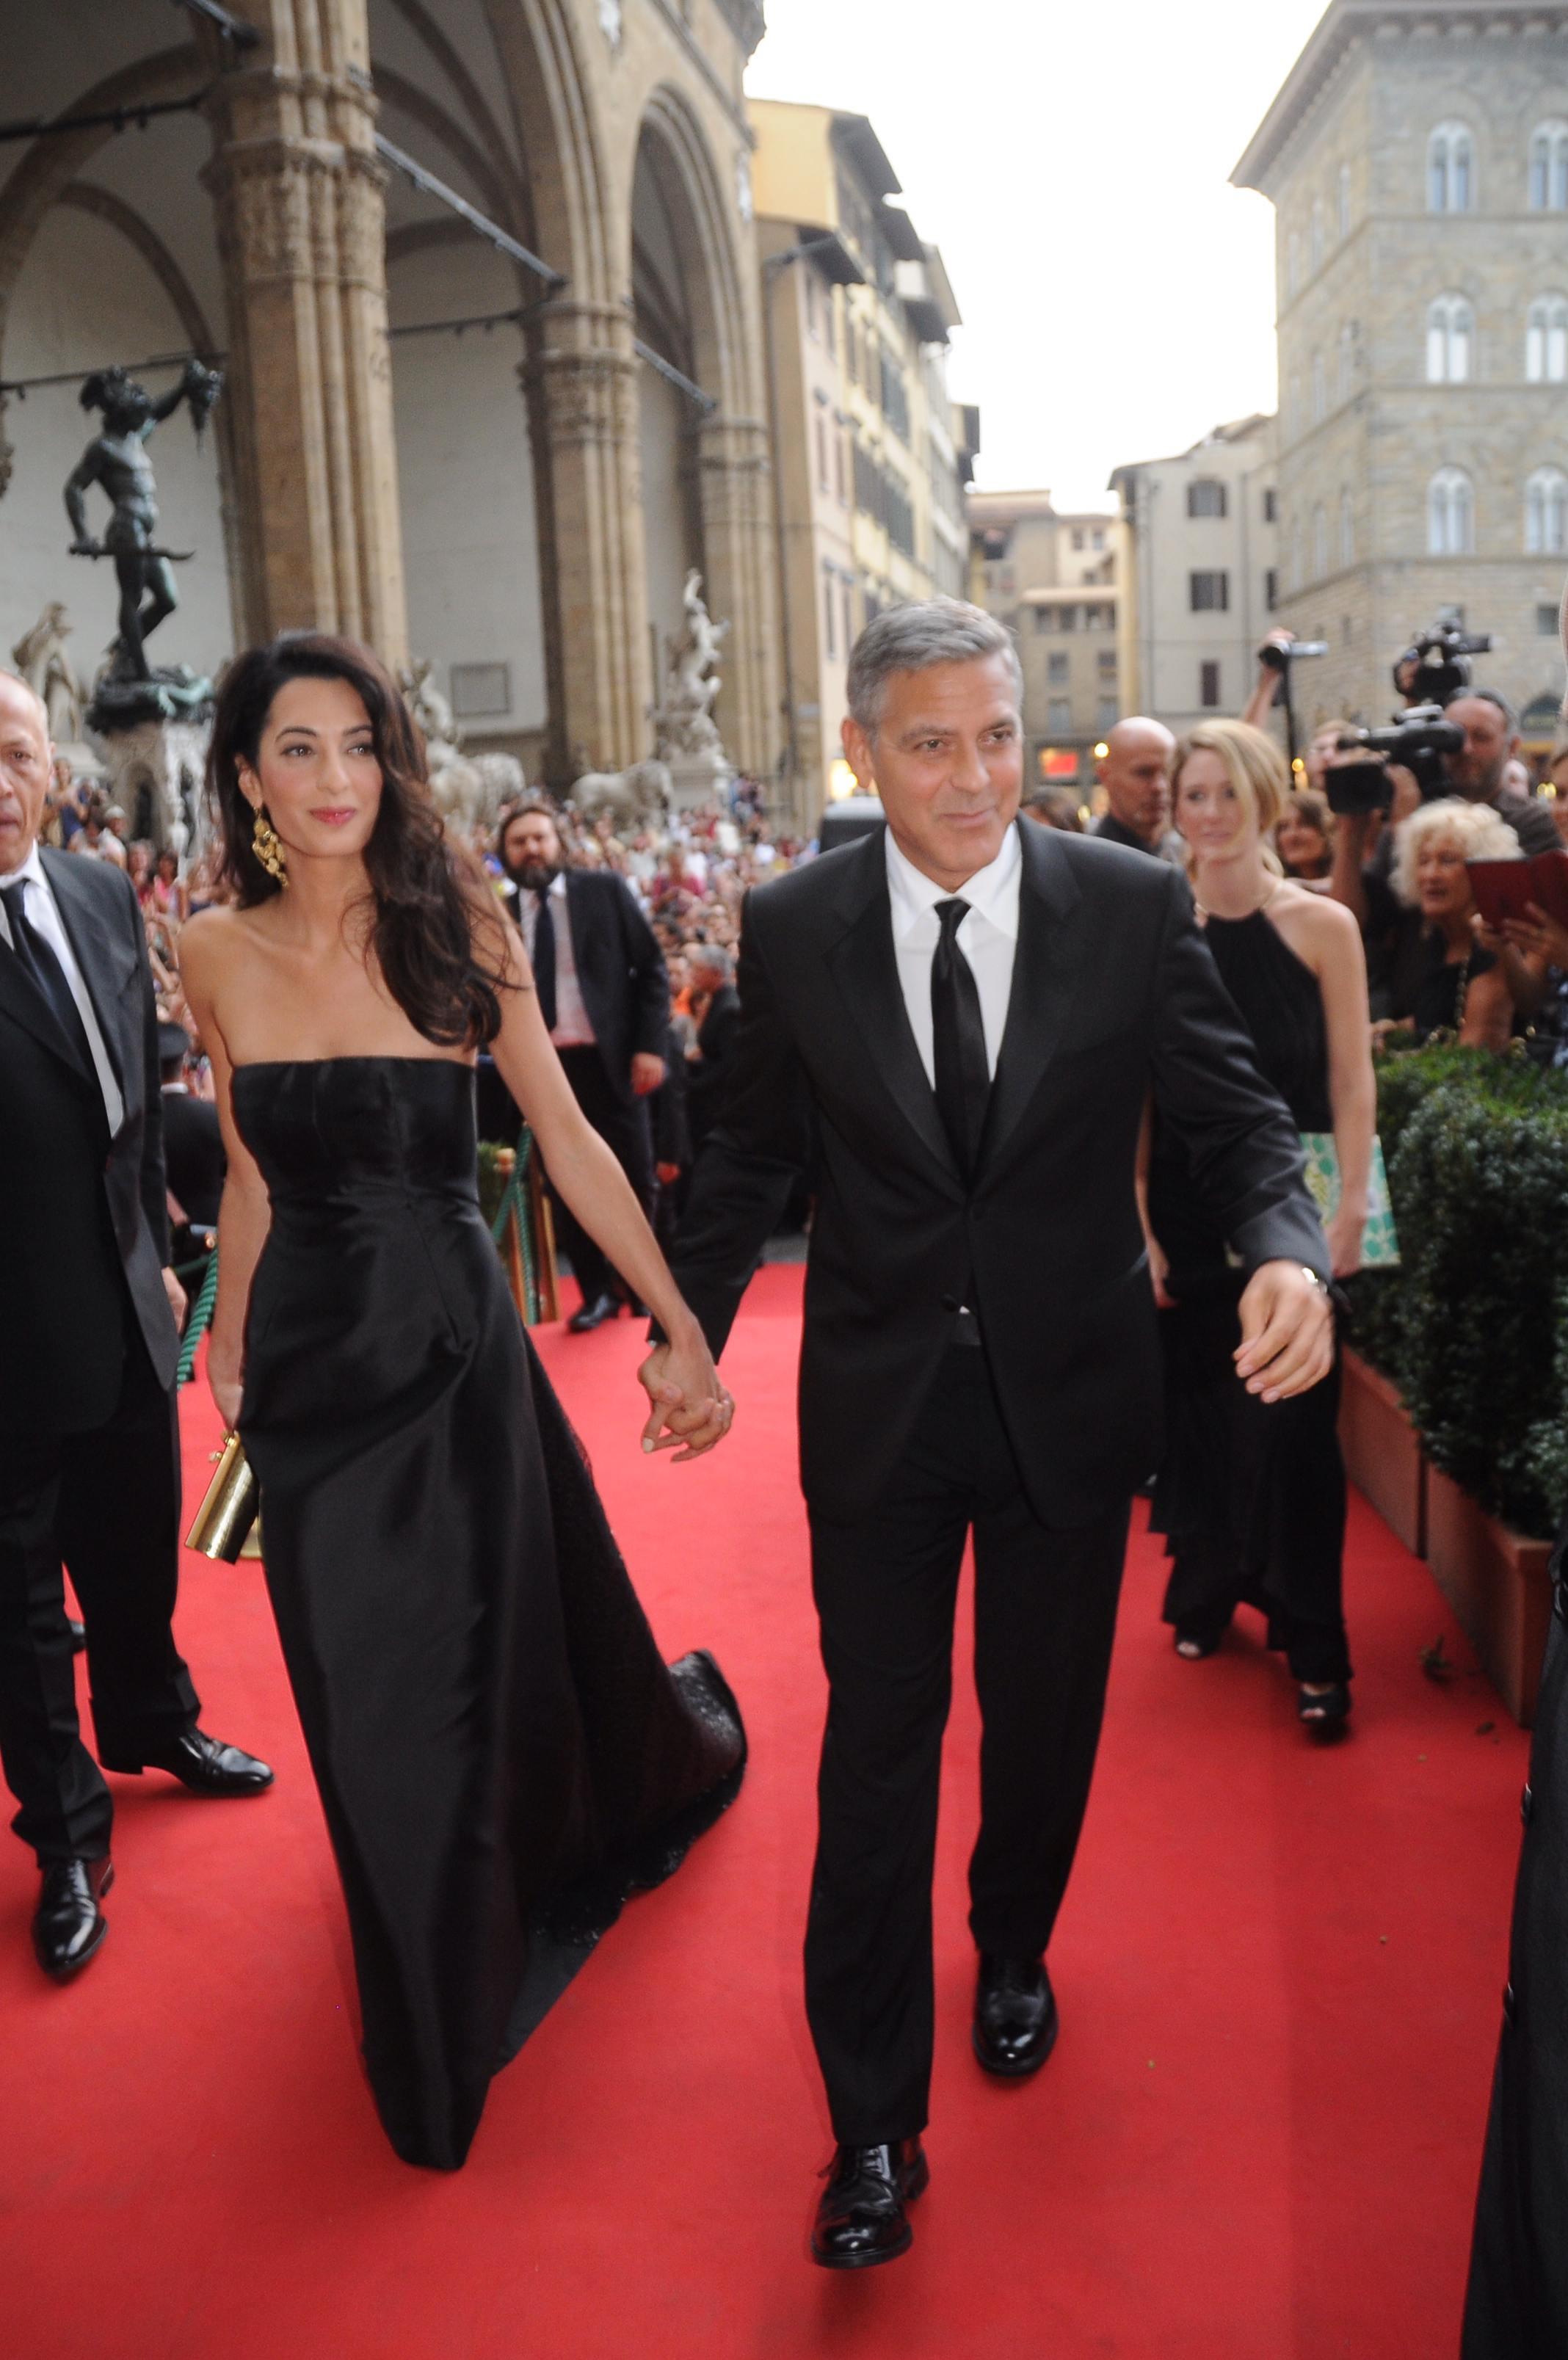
502	1754
1251	1496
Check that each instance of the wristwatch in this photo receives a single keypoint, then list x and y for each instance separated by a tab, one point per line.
1315	1278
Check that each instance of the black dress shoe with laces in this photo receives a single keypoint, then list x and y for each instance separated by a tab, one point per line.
68	1924
203	1764
1015	2015
594	1314
861	2218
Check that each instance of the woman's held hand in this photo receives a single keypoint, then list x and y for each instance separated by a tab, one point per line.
691	1409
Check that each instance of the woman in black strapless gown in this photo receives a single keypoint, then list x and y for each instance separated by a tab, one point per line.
1251	1496
502	1754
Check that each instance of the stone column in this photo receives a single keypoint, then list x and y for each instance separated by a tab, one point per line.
298	192
580	384
737	540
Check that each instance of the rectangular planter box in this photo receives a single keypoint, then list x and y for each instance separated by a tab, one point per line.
1382	1450
1498	1585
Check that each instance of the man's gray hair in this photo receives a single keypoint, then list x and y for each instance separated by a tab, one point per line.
712	956
926	631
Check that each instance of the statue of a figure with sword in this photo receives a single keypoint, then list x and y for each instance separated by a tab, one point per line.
117	461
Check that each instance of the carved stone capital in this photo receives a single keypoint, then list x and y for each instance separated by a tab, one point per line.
270	192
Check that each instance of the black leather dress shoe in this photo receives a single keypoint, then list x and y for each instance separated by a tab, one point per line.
594	1314
860	2219
69	1925
78	1634
1015	2015
203	1764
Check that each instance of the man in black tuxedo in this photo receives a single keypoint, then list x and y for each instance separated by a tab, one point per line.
711	1063
89	1440
955	1025
604	995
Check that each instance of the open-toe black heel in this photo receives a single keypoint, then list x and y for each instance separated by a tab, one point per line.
1325	1712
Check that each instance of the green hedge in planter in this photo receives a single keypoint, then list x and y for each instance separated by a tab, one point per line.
1473	1327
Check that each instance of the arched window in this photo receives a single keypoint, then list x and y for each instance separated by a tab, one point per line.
1345	200
1317	245
1347	360
1320	544
1451	514
1546	340
1546	513
1320	388
1451	334
1451	169
1549	167
1346	527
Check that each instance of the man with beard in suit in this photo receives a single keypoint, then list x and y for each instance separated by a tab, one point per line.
89	1439
604	996
955	1025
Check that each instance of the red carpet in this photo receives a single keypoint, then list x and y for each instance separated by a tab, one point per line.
1279	1971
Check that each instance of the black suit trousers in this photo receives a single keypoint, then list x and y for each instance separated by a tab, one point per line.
887	1587
623	1124
108	1501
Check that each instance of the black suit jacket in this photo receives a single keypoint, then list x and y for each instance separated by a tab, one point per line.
1114	993
709	1076
83	1214
193	1154
620	969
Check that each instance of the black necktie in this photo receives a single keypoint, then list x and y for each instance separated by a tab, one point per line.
544	959
963	1069
46	973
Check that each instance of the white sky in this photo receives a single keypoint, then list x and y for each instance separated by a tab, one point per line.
1071	159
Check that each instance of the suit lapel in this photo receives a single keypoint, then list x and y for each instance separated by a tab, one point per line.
1047	971
865	968
105	968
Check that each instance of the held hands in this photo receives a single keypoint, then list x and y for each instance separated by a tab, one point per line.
691	1409
1288	1332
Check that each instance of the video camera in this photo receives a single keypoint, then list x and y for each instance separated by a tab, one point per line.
1435	667
1431	673
1418	742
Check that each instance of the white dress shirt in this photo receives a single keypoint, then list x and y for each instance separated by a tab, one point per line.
988	938
42	914
574	1026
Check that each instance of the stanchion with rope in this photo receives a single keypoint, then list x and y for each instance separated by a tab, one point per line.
524	1234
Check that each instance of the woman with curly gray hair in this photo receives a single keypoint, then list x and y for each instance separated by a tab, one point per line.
1444	979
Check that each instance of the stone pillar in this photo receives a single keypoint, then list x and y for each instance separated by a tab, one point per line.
737	540
580	384
299	194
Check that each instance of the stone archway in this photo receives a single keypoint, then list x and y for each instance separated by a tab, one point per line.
729	482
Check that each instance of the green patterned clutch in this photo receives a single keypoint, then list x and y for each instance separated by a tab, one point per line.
1379	1239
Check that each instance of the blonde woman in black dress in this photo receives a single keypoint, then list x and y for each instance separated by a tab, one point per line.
502	1754
1251	1497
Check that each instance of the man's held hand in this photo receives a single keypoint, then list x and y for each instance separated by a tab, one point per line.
1287	1331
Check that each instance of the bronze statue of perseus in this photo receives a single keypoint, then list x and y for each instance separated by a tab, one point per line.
117	461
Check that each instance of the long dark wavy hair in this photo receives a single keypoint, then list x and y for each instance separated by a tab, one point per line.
428	899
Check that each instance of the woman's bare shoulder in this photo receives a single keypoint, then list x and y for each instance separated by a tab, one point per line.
217	940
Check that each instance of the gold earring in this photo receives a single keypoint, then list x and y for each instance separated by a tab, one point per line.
267	846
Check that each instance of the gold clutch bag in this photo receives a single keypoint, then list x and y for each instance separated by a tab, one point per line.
225	1517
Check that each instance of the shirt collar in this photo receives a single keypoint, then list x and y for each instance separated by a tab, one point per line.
992	893
31	871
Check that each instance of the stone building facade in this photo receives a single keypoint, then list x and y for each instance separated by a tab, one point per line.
874	458
1417	158
1051	578
1200	572
518	501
